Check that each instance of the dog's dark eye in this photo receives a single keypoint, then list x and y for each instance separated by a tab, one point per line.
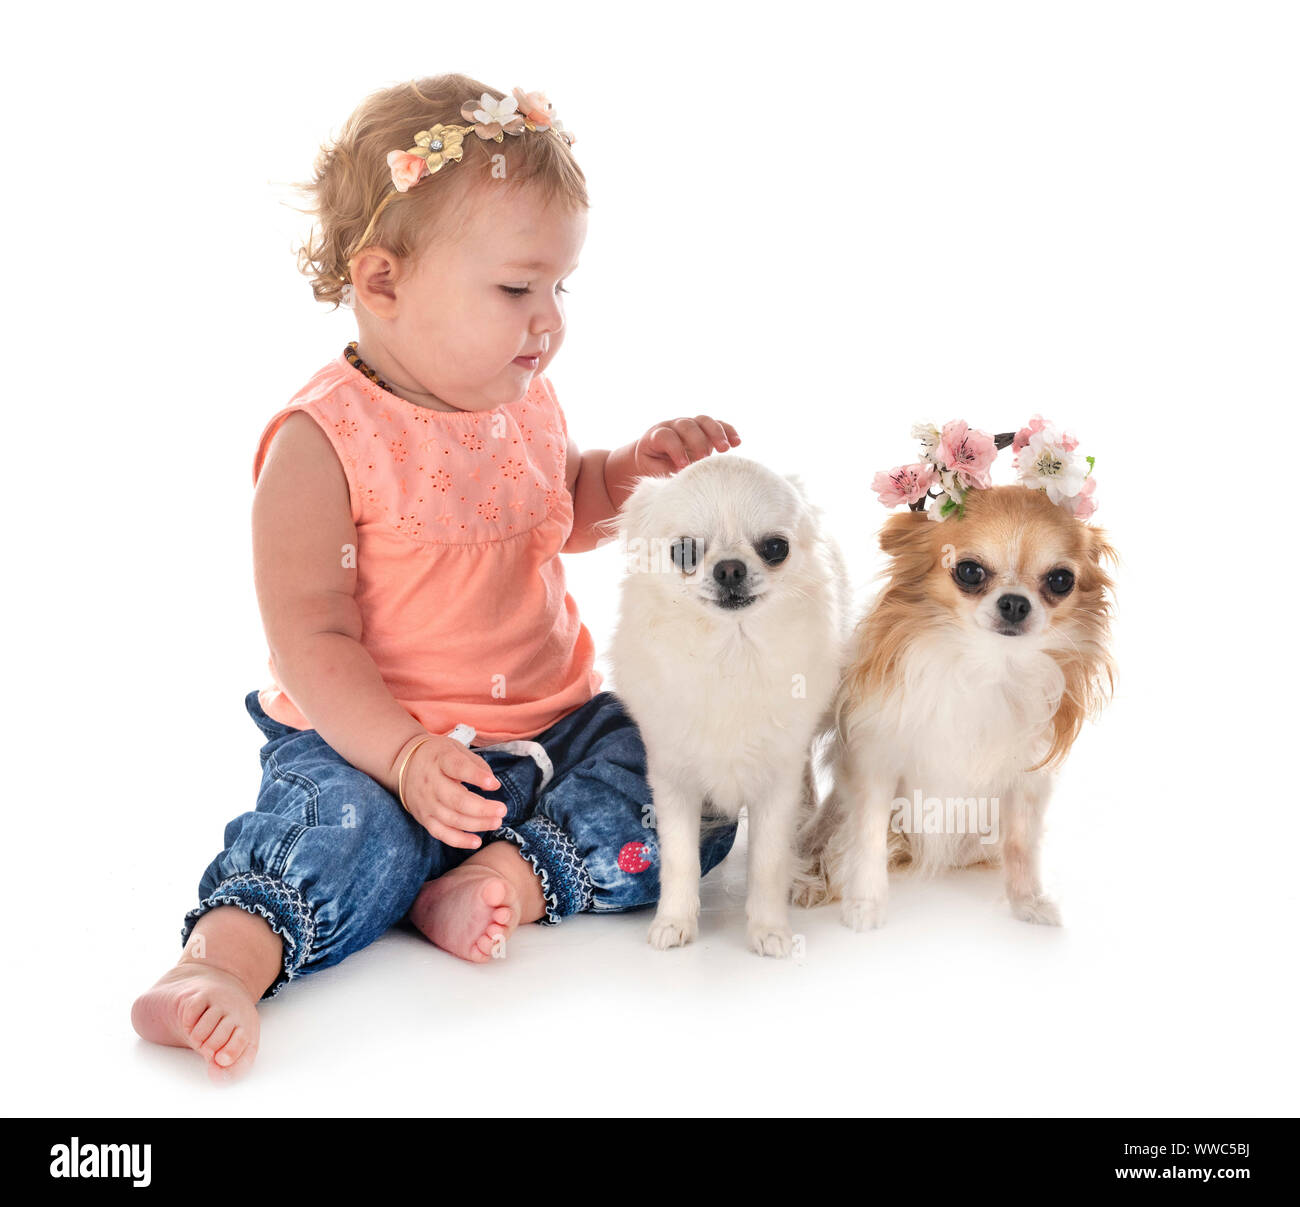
686	554
1060	582
968	574
774	550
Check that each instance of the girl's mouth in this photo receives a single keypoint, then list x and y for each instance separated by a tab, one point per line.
527	362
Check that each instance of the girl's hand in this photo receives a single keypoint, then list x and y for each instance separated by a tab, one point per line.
438	799
672	445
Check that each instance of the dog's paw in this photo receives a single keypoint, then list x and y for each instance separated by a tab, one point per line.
810	893
672	932
1040	909
863	913
770	940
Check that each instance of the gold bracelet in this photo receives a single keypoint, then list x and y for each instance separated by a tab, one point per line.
401	774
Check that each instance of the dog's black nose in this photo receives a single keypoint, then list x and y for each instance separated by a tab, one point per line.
729	573
1014	608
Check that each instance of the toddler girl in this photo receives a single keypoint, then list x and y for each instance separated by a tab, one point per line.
411	502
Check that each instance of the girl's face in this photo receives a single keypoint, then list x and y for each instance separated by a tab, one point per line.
470	323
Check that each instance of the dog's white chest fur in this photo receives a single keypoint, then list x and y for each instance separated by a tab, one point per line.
728	700
961	722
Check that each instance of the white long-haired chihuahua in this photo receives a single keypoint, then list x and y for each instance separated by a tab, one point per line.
727	654
969	680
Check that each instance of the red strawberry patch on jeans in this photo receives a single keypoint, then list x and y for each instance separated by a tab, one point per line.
634	857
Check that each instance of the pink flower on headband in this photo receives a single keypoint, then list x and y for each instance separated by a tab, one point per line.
967	453
537	110
406	168
1083	504
904	483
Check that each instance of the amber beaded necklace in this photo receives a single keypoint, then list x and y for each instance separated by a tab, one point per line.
357	363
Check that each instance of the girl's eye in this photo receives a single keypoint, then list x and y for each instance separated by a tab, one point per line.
518	291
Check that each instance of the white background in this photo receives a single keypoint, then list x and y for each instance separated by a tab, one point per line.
823	223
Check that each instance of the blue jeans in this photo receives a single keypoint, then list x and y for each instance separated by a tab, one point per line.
331	859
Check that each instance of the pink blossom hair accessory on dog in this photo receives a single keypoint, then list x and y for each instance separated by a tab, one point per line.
957	459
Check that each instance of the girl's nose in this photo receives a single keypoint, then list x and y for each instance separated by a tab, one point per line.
550	317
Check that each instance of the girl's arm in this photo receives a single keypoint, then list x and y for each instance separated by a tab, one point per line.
306	588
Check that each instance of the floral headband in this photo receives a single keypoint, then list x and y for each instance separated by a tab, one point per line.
439	145
958	459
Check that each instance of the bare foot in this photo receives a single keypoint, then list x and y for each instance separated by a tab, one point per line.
470	912
195	1005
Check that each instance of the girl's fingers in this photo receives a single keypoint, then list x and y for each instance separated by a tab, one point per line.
665	441
698	443
714	432
453	838
470	768
468	811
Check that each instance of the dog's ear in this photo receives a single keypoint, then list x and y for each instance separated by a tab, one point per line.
633	516
909	540
1099	547
1098	550
905	531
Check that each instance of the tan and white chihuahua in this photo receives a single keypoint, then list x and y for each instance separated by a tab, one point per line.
969	680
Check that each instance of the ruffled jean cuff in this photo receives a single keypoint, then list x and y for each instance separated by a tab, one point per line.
557	864
282	905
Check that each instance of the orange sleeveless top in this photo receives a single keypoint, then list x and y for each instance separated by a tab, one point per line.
460	517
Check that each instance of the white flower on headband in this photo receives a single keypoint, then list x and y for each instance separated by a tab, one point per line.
1047	459
493	117
929	436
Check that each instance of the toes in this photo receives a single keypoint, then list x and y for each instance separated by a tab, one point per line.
204	1026
217	1040
239	1066
495	892
233	1048
501	915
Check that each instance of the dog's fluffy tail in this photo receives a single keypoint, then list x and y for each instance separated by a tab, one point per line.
809	886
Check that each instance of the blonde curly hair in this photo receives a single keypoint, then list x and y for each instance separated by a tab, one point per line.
352	178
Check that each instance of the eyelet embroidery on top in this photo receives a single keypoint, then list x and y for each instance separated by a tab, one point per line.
515	494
